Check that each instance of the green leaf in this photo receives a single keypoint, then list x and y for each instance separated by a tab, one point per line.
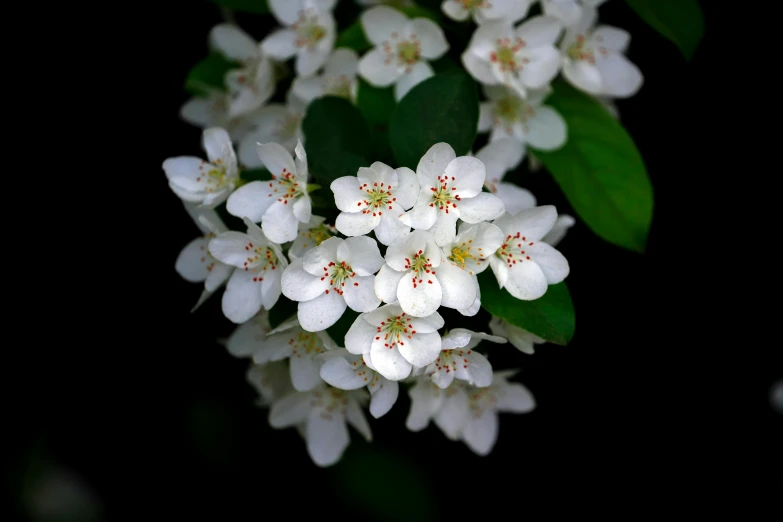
443	108
415	11
376	104
260	174
680	21
550	317
600	170
209	74
338	139
249	6
353	38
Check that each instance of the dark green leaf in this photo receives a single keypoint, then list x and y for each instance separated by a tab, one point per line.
326	165
249	175
209	74
443	108
445	63
353	38
680	21
415	11
250	6
600	171
550	317
338	330
376	104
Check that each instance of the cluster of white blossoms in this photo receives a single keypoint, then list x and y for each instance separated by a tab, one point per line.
406	244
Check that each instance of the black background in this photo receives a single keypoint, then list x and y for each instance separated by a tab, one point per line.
643	411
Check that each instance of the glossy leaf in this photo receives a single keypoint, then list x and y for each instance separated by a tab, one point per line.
680	21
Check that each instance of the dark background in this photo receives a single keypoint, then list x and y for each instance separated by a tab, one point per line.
645	410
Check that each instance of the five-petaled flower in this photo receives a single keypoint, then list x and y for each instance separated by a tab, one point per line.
338	78
484	10
459	360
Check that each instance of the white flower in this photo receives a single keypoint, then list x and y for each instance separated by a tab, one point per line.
275	123
271	381
301	348
281	204
309	34
252	85
257	282
208	183
521	58
524	264
499	157
212	111
249	337
463	259
559	229
373	200
324	412
311	234
458	360
484	10
568	11
526	120
346	371
393	341
195	264
337	79
403	49
523	340
594	60
450	189
336	273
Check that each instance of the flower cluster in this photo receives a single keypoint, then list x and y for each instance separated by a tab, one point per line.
404	245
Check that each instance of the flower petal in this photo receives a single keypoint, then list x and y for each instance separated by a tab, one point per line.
551	262
341	373
193	260
380	22
322	312
251	201
347	195
280	45
217	144
559	229
475	369
516	399
302	209
390	228
455	10
230	248
547	129
621	78
453	414
458	286
422	216
247	338
533	223
310	60
407	189
242	298
362	254
420	349
480	433
384	395
360	294
304	372
326	435
276	159
544	64
290	410
479	68
378	71
356	418
279	223
584	76
421	298
360	336
342	62
389	362
426	400
356	223
540	31
300	285
386	283
444	230
417	73
526	281
612	38
233	43
433	164
432	41
484	207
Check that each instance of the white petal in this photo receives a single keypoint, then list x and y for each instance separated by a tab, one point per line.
342	374
356	223
302	209
248	337
360	336
230	248
526	281
433	164
280	45
621	78
286	11
310	60
469	174
481	433
486	117
419	72
453	415
389	362
456	338
290	410
422	216
444	230
322	312
479	68
390	228
533	223
516	399
304	372
422	299
300	285
584	76
384	395
505	153
551	262
547	129
544	64
193	260
380	22
386	282
217	144
611	38
455	10
568	11
407	189
267	123
379	72
484	207
420	349
251	201
242	298
474	308
514	198
347	195
356	418
184	169
441	376
360	294
308	89
276	158
540	30
233	42
475	369
198	112
458	287
362	254
270	287
316	260
425	402
559	229
431	38
327	436
279	223
342	62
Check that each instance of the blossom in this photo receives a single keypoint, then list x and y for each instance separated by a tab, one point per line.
335	274
194	263
393	341
373	200
324	413
271	381
521	58
337	79
212	111
279	204
594	60
254	83
274	123
402	50
257	282
524	264
450	190
499	157
568	11
309	33
207	183
559	229
526	120
462	260
483	10
522	340
346	371
250	336
301	348
459	360
311	234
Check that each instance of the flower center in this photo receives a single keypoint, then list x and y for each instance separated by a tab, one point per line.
473	4
289	126
577	51
329	402
212	175
481	400
443	195
206	257
408	51
259	260
419	267
511	109
308	31
338	273
513	249
449	360
286	187
306	343
379	197
339	86
395	330
404	52
505	54
461	253
320	234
